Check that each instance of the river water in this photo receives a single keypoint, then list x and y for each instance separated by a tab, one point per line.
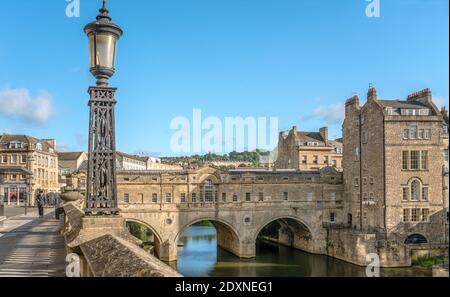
200	257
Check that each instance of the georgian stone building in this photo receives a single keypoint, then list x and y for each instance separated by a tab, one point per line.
29	165
308	150
393	167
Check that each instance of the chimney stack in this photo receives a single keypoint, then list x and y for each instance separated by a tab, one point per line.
423	96
324	134
372	94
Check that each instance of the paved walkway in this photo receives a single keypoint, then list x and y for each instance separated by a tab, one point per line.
32	247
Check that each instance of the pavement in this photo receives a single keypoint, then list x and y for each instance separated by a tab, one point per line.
32	247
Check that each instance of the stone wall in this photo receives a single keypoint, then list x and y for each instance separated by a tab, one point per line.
106	249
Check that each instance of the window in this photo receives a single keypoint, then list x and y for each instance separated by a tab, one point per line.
406	134
154	198
405	194
334	163
406	215
333	196
425	193
415	214
424	160
364	196
126	198
235	197
309	196
413	133
183	197
425	214
415	160
315	159
332	217
364	137
285	196
23	159
357	154
208	191
326	160
356	182
427	134
261	196
421	134
371	197
405	160
415	190
39	146
13	159
372	181
194	197
304	160
4	159
248	197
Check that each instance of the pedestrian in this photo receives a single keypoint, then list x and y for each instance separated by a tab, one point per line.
40	205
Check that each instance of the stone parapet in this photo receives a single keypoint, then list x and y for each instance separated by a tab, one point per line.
107	249
112	256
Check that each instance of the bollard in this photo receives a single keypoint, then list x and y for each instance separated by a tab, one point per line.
2	210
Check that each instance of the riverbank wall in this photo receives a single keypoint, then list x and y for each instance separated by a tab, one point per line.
362	249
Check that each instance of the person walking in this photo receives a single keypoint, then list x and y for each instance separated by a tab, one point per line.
40	205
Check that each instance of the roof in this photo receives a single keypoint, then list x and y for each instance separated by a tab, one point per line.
69	156
122	155
7	138
311	137
403	104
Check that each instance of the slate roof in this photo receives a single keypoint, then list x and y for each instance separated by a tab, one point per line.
69	156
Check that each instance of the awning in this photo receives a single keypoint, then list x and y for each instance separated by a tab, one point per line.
15	170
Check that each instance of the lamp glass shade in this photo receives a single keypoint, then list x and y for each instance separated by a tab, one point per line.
102	49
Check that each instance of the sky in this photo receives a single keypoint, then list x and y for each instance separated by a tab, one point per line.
296	60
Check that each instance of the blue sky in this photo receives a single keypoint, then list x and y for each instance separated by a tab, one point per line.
297	60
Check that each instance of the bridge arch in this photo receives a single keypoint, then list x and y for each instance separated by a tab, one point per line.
157	237
228	237
293	232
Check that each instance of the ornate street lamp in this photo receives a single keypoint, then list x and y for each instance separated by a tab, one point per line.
103	35
101	195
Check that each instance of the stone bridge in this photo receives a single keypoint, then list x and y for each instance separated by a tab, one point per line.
239	205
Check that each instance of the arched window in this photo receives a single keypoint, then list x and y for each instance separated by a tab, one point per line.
416	239
208	191
415	190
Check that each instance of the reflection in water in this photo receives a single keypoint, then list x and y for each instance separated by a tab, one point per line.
198	255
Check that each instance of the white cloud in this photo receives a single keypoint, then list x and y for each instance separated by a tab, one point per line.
19	104
333	114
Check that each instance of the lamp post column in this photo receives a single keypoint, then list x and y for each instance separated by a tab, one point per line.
101	196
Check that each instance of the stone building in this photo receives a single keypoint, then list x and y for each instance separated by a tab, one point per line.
29	165
393	167
308	150
132	162
71	161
